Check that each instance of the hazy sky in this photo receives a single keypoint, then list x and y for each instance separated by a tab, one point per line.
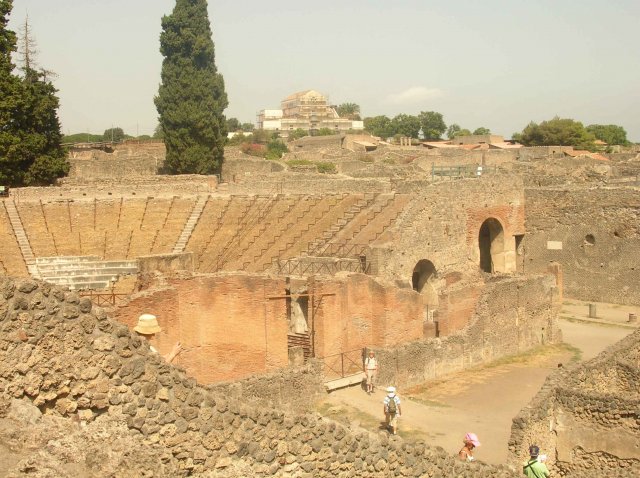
493	63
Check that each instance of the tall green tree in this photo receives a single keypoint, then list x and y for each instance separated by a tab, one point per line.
233	124
10	100
379	126
349	110
432	124
30	136
482	131
40	152
406	125
191	98
609	133
556	132
113	134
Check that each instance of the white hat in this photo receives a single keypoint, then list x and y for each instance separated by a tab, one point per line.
147	325
391	390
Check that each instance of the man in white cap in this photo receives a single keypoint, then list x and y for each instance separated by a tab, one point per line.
371	370
147	327
392	409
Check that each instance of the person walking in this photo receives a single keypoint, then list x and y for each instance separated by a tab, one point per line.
371	370
534	468
470	443
392	410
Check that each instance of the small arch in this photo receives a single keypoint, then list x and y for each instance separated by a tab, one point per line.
423	278
491	245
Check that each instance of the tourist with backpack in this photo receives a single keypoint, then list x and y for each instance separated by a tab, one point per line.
392	410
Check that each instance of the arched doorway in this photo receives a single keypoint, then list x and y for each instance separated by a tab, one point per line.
422	280
491	244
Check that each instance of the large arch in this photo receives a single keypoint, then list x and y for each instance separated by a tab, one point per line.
422	280
491	243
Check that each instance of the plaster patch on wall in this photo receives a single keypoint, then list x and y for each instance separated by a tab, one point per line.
554	245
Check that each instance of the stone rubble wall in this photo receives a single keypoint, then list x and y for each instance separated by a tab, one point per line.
513	314
561	223
586	417
72	361
158	186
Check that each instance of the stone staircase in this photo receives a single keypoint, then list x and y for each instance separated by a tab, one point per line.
316	246
190	225
21	236
82	272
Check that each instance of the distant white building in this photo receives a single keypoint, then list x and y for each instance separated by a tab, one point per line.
307	110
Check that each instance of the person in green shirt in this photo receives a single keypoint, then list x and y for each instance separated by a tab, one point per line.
534	468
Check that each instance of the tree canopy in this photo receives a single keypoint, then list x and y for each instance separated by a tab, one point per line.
609	133
556	132
191	98
406	125
432	124
379	126
30	137
349	110
113	134
482	131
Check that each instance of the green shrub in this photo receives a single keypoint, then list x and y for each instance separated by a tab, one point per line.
275	149
299	162
297	134
325	132
326	167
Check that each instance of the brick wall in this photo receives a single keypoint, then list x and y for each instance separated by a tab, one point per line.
511	315
226	325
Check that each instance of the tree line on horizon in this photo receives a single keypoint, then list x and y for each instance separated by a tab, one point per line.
190	102
554	132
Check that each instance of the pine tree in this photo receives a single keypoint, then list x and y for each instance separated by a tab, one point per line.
191	98
30	137
10	100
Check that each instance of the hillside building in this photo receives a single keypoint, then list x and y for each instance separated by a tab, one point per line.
307	110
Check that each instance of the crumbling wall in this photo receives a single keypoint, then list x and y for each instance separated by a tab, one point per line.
442	224
72	361
151	186
513	314
594	233
586	418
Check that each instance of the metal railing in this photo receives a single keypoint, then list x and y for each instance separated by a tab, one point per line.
343	364
105	298
342	249
294	267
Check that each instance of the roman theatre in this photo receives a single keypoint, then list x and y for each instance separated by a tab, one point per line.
277	278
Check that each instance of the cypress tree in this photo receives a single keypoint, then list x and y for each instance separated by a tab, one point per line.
191	98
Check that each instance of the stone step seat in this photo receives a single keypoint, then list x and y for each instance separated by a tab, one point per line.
66	259
99	265
81	285
83	272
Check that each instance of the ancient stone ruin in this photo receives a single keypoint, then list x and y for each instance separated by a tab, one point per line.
69	359
276	278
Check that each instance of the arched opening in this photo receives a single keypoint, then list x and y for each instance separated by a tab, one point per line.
422	280
491	244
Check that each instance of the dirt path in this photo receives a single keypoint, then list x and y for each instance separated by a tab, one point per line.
482	400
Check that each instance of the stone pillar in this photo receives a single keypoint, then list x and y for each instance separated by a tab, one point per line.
555	268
